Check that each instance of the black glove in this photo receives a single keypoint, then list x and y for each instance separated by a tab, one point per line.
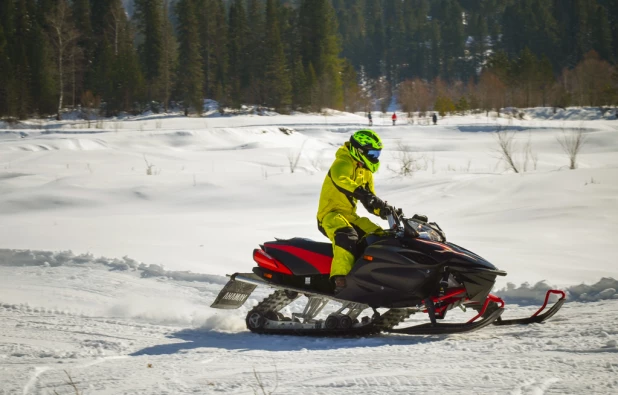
385	212
369	200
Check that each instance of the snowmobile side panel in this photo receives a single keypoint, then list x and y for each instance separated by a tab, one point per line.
233	295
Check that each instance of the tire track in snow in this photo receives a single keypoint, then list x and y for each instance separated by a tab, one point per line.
42	369
37	372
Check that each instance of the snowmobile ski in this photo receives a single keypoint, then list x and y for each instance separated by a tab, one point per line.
537	317
449	328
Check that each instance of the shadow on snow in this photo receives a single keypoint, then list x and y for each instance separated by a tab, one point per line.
247	341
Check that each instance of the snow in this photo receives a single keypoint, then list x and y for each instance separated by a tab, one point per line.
108	272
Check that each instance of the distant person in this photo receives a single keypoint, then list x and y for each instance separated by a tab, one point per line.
435	118
370	118
394	118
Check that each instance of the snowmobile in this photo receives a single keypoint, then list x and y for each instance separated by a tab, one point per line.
409	268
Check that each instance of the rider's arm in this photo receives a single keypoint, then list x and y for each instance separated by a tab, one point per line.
371	189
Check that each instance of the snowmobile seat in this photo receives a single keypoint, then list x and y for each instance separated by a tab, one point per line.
303	257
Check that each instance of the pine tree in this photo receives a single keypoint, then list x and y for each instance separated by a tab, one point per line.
320	48
452	39
300	87
237	50
313	88
120	81
602	34
611	8
7	93
190	76
42	85
148	14
418	34
546	79
530	23
352	95
278	86
80	54
169	56
395	40
435	54
21	62
213	44
256	50
5	76
376	41
526	74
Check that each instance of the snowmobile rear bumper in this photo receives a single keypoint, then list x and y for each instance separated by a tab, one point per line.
235	293
241	285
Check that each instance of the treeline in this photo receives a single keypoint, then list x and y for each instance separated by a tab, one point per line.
304	54
453	39
523	81
56	54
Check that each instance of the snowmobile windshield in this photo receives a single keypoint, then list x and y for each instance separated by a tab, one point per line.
425	231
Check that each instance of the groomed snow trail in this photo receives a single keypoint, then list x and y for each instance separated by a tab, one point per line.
114	347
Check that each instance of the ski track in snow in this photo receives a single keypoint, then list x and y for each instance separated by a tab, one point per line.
140	322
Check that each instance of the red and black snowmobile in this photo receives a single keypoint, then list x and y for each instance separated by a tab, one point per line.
408	269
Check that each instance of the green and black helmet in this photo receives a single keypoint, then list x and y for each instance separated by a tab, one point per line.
365	147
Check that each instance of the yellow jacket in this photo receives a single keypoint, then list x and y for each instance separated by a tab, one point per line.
344	176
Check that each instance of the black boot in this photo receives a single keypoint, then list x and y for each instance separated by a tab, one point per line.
340	283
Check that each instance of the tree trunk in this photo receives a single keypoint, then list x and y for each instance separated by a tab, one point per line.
61	73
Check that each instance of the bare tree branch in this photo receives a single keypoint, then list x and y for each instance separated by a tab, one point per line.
572	144
507	147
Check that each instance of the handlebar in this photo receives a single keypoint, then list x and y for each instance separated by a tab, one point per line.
394	222
403	228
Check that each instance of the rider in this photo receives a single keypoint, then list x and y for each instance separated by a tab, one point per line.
350	179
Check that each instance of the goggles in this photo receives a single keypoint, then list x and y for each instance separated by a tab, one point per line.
373	154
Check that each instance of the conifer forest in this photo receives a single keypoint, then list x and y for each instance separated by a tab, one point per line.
114	56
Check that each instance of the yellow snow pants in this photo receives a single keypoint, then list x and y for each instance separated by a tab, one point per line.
344	230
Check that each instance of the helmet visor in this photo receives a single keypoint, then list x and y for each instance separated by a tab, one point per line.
373	154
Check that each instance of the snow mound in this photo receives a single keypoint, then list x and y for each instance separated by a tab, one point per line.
569	114
54	259
604	289
69	144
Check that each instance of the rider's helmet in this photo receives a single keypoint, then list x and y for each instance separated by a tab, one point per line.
365	147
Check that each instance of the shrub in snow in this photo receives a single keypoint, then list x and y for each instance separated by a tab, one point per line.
572	143
408	162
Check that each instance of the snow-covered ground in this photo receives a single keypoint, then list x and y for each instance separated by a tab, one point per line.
107	271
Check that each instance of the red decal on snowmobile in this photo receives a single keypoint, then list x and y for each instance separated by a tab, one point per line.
319	261
445	248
